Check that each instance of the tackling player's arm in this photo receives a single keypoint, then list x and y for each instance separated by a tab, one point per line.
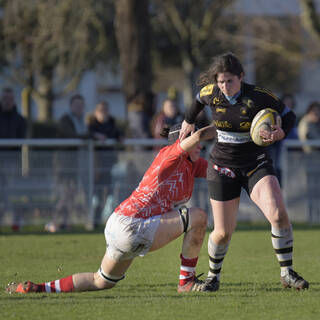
206	133
191	114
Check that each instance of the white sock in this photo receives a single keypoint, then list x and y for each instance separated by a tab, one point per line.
216	256
282	242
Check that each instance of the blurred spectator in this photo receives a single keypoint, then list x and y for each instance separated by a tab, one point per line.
289	100
166	118
275	149
70	162
309	129
309	125
72	124
12	126
173	94
102	126
140	111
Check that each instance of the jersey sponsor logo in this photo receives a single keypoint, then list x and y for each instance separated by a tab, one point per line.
243	111
269	93
205	91
245	125
222	124
221	110
225	171
216	100
248	102
233	137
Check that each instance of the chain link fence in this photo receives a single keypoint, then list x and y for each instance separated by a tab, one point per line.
79	182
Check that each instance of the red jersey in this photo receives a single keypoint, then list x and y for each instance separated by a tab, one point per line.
167	183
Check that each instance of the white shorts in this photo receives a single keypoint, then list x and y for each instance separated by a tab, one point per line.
128	237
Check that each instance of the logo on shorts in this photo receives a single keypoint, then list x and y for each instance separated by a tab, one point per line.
225	171
256	168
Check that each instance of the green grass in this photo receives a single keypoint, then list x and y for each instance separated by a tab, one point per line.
249	288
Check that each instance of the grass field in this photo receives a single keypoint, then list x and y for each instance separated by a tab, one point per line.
250	287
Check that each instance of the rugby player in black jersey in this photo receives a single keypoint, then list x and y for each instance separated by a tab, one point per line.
236	162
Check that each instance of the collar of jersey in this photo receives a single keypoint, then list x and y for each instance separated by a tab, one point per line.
233	99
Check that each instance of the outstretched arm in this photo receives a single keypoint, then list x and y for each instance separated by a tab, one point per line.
186	128
206	133
190	116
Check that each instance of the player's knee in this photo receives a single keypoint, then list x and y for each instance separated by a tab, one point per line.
106	281
101	283
199	218
279	217
222	236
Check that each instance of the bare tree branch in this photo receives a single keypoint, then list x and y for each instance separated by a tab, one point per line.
309	18
53	42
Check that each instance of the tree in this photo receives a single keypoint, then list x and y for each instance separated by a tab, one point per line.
133	39
310	19
191	29
49	44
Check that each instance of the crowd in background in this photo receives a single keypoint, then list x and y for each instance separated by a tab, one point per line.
101	125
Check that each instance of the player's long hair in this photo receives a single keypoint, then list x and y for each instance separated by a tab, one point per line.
226	62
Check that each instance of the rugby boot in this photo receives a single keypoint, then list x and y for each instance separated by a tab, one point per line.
25	287
293	280
211	284
192	285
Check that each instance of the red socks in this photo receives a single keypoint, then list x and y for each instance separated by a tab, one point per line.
61	285
187	269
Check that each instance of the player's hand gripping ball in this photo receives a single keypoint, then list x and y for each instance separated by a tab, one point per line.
264	119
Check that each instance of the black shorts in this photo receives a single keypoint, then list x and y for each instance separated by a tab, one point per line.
225	183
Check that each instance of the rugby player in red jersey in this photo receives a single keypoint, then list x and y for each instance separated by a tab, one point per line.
149	219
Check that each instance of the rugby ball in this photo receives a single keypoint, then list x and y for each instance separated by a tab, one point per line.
263	120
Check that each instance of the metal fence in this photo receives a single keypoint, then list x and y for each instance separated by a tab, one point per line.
69	181
301	180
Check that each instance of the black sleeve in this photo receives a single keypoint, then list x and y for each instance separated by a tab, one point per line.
288	121
193	111
288	117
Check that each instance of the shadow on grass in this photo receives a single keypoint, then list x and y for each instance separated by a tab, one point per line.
39	230
265	287
254	226
72	297
151	291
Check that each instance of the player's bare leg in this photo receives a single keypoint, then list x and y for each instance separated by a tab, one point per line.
171	227
109	274
225	219
111	271
269	199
